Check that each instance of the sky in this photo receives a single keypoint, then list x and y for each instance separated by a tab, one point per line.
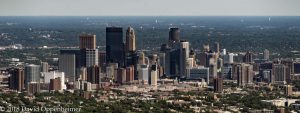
149	7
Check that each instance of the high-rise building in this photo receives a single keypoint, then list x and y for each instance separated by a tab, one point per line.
142	58
45	66
33	87
266	54
217	47
174	35
143	74
198	73
32	73
248	57
16	79
115	52
55	84
83	74
153	75
54	75
67	64
206	48
87	41
288	90
130	40
244	73
89	57
93	74
218	84
184	55
278	72
102	58
129	73
121	76
227	71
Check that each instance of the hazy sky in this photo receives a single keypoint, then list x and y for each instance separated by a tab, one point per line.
149	7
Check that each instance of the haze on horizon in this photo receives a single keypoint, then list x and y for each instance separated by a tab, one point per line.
149	8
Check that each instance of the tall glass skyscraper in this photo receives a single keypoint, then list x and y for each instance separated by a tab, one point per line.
115	45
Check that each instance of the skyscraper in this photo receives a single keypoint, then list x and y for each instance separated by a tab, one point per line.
266	54
248	57
218	84
174	35
89	57
87	41
32	73
115	45
68	62
93	74
16	79
153	75
278	72
244	73
130	40
217	47
45	66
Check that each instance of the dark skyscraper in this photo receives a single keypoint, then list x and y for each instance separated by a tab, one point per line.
16	79
174	35
87	41
218	84
115	45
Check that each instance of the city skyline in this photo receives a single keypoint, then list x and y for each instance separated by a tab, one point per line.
150	8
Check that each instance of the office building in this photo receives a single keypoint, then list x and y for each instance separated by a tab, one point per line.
288	90
102	58
67	65
130	40
279	74
244	73
32	73
16	79
143	74
198	73
121	76
174	35
87	41
153	75
266	54
33	87
218	84
227	71
248	57
45	66
89	57
93	74
55	84
130	73
54	75
115	51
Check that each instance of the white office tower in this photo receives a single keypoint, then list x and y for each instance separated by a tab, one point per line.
184	55
83	73
228	58
153	75
223	52
32	73
53	75
91	57
143	74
